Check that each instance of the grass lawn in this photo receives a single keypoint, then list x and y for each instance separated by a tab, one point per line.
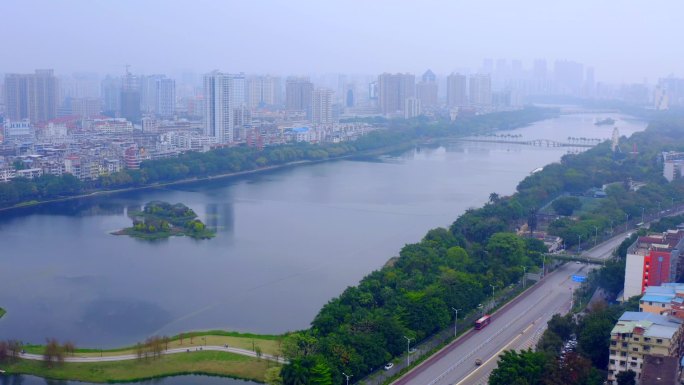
205	362
269	344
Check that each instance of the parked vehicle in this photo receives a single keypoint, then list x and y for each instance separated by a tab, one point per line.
478	361
389	366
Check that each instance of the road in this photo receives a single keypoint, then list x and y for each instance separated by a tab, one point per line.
516	325
125	357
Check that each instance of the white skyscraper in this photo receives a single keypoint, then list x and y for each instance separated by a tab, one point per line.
166	97
219	110
480	90
321	106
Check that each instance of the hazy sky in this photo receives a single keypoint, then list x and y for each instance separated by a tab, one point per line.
625	40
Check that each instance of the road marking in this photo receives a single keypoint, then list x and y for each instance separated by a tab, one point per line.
496	355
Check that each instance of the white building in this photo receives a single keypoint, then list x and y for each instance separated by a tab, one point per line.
672	165
480	90
412	108
223	93
166	97
321	106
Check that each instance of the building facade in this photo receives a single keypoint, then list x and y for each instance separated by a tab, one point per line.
298	93
480	86
321	106
652	260
31	96
457	95
393	90
638	334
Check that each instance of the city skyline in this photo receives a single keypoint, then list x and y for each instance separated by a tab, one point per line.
277	38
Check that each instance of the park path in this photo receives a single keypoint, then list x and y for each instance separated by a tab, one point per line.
124	357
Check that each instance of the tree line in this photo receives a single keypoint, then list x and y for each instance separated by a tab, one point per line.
414	293
241	158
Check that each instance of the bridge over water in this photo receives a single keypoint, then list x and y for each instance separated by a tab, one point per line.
532	142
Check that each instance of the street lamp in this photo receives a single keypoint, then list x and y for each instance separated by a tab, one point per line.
408	356
455	321
543	265
611	227
595	234
642	215
492	286
348	376
579	244
524	272
626	221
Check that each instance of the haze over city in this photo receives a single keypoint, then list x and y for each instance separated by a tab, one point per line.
382	192
624	41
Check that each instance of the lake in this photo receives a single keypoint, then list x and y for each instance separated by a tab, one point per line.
288	240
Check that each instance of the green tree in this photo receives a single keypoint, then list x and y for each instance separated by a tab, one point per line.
566	205
524	368
320	374
272	376
627	377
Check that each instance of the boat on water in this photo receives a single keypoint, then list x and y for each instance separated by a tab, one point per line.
604	122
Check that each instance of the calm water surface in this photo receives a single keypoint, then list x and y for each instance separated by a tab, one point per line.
288	241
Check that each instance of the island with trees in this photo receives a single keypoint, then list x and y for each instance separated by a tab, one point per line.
159	220
2	312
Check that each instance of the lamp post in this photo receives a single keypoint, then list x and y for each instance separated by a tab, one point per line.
523	277
642	215
455	321
492	286
408	355
579	244
543	265
595	234
611	227
347	376
626	221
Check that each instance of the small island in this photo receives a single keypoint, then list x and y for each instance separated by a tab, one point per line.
2	312
160	220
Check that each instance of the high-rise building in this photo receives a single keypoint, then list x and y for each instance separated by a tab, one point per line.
569	77
426	90
86	107
321	106
263	91
298	94
222	97
31	96
480	90
456	90
165	103
393	90
653	260
111	96
130	98
412	108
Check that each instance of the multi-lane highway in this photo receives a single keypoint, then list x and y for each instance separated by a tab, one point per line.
513	326
518	325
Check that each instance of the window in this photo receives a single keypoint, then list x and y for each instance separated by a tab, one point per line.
659	341
613	343
613	352
650	303
633	364
636	338
635	349
612	362
623	363
624	344
623	354
647	348
647	339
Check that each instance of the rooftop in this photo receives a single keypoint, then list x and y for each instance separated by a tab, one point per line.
659	370
654	325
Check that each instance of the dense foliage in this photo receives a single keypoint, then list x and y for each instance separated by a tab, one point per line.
413	294
399	133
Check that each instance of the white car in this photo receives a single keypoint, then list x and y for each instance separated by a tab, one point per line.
389	366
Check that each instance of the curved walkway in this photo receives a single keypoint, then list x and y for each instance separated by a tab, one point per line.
124	357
